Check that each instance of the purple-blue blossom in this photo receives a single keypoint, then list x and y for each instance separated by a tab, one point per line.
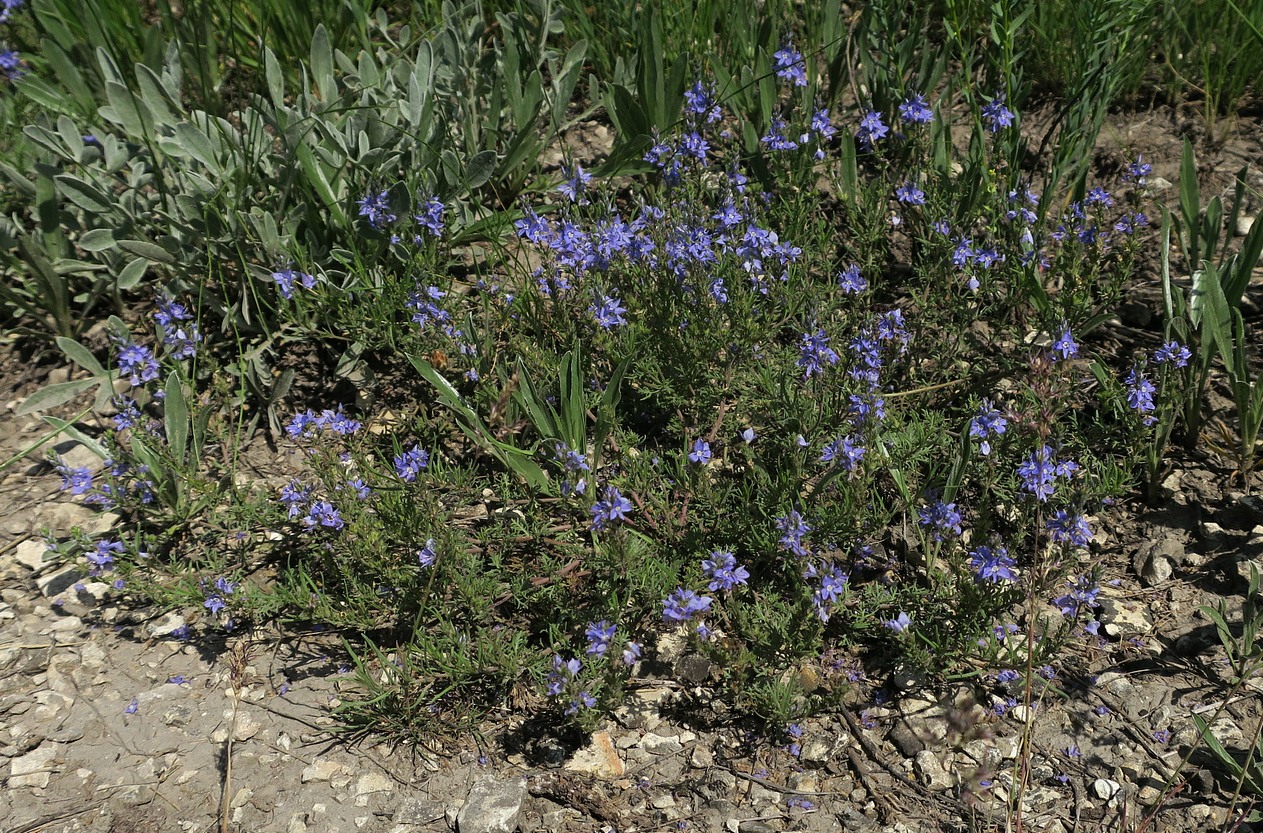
137	362
1069	528
683	605
612	507
872	128
941	518
375	209
701	453
599	635
992	564
996	115
1174	353
788	64
409	464
915	110
724	571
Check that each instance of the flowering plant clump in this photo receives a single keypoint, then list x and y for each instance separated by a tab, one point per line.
805	386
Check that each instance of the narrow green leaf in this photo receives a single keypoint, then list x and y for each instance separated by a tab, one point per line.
479	169
80	355
322	64
96	240
150	251
51	396
176	418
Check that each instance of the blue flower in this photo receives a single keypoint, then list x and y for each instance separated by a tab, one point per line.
851	281
992	564
915	110
815	354
11	64
748	435
1040	471
409	464
1173	352
138	363
285	279
431	216
996	115
1140	393
323	513
909	194
683	604
986	424
102	556
631	654
724	571
613	507
1138	171
872	128
1082	596
1066	528
1065	345
941	518
7	7
900	623
375	209
426	555
599	635
609	313
788	64
701	453
699	101
77	480
574	187
793	529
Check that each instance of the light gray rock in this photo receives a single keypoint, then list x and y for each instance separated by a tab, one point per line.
59	581
1155	561
493	806
599	758
30	554
34	768
373	782
414	810
1243	226
321	769
1125	618
932	772
1105	789
165	626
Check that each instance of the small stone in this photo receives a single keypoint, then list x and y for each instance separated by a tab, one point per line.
662	802
702	758
1212	534
92	593
1124	618
660	745
321	770
755	826
414	810
817	750
59	581
1105	789
1243	225
34	768
373	782
1155	561
905	740
165	626
932	772
599	758
31	553
695	669
493	806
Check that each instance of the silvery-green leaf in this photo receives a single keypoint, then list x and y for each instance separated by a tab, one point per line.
147	250
96	240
